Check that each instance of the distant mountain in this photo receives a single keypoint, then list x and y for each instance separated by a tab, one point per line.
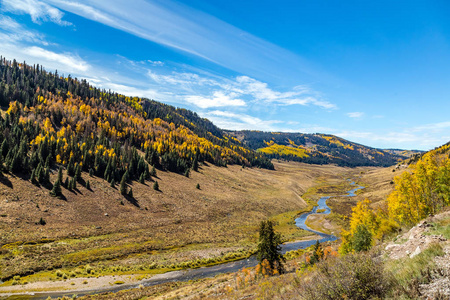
319	149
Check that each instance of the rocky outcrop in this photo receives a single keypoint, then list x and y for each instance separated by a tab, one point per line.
414	242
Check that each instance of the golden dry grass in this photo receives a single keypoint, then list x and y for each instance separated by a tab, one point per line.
178	226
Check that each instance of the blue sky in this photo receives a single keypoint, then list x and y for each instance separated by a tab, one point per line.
372	72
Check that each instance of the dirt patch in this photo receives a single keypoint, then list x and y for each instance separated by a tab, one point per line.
75	284
320	223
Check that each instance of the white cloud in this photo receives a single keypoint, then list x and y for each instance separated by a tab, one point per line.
218	99
433	127
212	91
38	11
356	115
299	95
156	63
184	80
404	139
15	32
129	90
234	121
173	24
26	45
67	59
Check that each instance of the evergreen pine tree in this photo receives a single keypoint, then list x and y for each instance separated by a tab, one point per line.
269	249
1	163
88	185
60	175
186	173
153	172
126	175
123	185
130	193
14	164
47	162
56	190
78	171
195	165
46	178
4	148
39	173
107	171
142	178
197	186
91	172
317	253
113	183
156	186
66	183
362	239
70	167
33	176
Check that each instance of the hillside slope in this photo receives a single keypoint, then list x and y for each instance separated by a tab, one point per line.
52	122
318	149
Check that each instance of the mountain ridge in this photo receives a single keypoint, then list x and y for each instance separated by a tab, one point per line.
318	148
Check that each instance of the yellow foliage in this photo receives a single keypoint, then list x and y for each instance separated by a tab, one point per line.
283	150
13	108
417	194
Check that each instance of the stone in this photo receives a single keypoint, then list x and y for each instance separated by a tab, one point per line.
416	252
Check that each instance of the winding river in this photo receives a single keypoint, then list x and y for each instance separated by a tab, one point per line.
199	273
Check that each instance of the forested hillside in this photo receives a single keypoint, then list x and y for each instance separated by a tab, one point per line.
318	149
53	121
422	190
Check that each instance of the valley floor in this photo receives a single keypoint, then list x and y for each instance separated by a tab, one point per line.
96	238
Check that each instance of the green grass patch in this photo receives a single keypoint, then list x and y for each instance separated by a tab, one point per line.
324	188
96	254
442	227
285	225
411	272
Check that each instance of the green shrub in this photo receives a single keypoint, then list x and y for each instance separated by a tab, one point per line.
362	239
354	276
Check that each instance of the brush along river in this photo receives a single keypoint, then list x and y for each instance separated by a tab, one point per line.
205	272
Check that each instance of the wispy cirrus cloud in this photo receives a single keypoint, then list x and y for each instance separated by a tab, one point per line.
180	27
218	99
420	139
69	60
440	126
23	44
38	10
235	121
355	115
206	91
299	95
13	32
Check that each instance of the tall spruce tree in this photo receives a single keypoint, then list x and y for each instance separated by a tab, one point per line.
269	249
56	190
123	184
